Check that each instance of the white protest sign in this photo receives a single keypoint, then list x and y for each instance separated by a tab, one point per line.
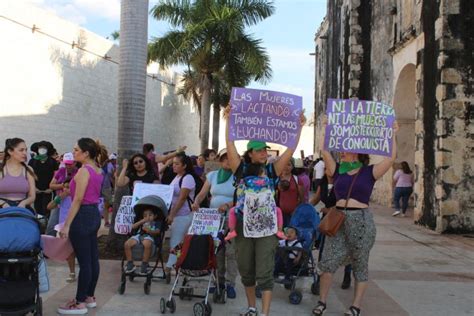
125	216
206	221
260	218
144	189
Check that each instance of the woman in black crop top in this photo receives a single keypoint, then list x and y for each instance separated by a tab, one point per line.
356	237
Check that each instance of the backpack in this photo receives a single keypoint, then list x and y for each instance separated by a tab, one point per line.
252	184
197	189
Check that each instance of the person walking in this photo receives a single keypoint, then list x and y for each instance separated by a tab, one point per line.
403	182
255	256
83	222
356	236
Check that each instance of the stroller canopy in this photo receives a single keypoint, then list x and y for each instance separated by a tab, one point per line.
306	220
154	202
19	230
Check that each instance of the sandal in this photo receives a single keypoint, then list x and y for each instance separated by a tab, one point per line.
71	278
352	311
319	309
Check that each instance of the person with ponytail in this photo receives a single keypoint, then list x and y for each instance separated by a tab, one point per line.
83	222
17	180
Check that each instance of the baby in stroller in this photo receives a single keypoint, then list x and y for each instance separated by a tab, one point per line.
147	230
290	261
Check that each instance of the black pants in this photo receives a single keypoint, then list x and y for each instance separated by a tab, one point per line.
41	202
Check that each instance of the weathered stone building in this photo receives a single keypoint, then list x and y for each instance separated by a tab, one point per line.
418	56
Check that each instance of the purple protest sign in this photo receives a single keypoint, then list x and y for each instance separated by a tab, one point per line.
264	115
359	126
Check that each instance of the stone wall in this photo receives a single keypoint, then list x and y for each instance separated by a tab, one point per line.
418	56
59	82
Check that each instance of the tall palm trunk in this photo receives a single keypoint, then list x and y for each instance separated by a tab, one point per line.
205	112
216	119
132	82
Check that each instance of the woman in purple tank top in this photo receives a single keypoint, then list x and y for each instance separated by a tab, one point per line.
355	238
83	222
17	180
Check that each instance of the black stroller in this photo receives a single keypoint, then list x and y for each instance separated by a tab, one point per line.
20	251
159	207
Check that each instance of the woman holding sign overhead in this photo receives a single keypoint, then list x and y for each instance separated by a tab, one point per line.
255	256
353	184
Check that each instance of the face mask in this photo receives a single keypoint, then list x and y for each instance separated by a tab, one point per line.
42	151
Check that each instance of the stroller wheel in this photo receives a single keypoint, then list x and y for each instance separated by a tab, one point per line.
121	288
162	305
171	304
315	288
199	309
146	287
258	292
208	308
295	297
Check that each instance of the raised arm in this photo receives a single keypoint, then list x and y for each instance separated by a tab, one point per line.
232	154
288	153
382	167
123	180
162	158
329	161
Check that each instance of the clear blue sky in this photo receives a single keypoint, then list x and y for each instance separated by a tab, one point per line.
288	36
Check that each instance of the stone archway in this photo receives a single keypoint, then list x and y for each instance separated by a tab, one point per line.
404	102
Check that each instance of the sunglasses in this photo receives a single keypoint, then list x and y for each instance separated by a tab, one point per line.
136	162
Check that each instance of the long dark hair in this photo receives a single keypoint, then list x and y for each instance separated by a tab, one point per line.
96	150
406	167
187	161
253	169
364	158
131	167
11	144
208	152
147	148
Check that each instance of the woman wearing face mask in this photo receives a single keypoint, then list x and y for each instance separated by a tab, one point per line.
139	170
356	236
83	222
44	167
17	180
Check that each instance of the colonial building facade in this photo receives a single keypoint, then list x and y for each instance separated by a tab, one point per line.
418	56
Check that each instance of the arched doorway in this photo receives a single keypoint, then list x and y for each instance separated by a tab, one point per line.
404	102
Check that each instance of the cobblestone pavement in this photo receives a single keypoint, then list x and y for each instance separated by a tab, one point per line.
413	271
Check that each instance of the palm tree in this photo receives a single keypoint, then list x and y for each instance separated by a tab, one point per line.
209	36
132	80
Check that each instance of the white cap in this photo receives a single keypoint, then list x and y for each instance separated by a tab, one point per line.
68	158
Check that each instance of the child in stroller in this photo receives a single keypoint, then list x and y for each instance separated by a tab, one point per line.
145	241
289	261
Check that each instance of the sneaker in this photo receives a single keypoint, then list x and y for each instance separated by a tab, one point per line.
250	311
72	308
144	268
71	278
396	213
130	267
231	292
90	302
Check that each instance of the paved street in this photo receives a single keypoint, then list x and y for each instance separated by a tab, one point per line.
413	271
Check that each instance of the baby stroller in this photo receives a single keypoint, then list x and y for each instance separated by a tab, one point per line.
196	261
20	251
306	221
159	208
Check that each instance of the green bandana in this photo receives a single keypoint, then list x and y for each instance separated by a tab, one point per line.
40	157
223	175
346	167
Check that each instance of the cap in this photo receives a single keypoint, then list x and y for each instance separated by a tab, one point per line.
68	158
112	157
222	152
256	145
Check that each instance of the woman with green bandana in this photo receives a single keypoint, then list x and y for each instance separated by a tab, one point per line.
220	184
356	236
